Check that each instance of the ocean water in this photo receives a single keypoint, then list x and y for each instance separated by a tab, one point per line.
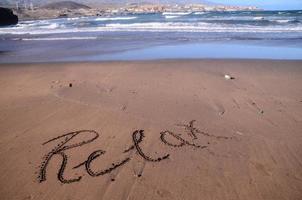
238	34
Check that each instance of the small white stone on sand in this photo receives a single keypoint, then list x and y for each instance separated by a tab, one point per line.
228	77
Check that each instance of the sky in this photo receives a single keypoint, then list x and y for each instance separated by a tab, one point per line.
265	4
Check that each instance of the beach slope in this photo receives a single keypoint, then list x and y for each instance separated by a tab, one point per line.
170	129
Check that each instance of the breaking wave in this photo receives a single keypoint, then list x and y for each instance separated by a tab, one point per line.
114	18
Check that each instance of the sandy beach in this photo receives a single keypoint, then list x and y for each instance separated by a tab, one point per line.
167	129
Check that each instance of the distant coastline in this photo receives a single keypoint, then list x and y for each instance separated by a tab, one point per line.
72	9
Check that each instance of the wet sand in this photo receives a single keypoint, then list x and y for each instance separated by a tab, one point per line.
174	129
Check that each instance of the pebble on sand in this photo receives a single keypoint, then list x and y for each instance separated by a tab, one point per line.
228	77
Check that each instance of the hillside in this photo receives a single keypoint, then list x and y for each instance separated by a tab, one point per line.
65	5
101	2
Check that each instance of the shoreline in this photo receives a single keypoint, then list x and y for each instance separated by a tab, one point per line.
152	60
101	52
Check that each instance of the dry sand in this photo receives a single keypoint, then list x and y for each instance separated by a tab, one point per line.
246	142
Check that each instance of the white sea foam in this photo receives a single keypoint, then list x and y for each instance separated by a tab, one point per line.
172	16
51	26
113	18
37	25
59	38
176	13
199	13
258	18
194	27
57	28
74	18
282	21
